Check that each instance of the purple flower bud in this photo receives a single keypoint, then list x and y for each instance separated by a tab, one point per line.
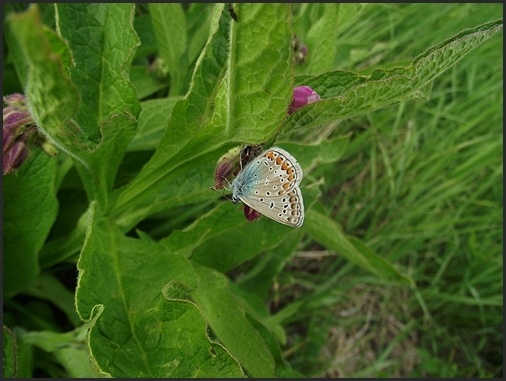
16	99
13	127
302	95
231	163
18	130
303	50
16	118
250	214
227	165
14	157
9	137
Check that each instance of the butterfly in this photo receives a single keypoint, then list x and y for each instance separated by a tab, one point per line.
269	184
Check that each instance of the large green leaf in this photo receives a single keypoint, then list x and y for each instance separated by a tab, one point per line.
89	114
102	41
223	238
345	94
52	97
188	116
259	81
30	208
141	327
228	321
233	96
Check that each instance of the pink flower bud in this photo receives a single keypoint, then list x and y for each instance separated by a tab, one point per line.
231	163
14	126
14	157
227	165
20	133
250	214
16	99
302	95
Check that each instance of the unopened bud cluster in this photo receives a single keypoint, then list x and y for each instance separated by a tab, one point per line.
20	133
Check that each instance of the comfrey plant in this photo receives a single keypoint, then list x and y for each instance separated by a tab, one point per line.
146	267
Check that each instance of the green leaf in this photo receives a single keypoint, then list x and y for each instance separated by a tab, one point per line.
188	116
444	55
228	321
153	120
61	249
169	25
15	56
145	81
139	328
198	22
329	233
259	81
68	348
52	97
144	29
310	155
258	280
24	356
220	239
345	94
30	209
349	13
48	287
9	353
223	238
283	368
236	100
257	310
103	41
323	50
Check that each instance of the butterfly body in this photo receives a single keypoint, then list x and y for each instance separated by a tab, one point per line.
269	184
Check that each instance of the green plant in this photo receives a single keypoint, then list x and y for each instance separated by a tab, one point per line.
170	280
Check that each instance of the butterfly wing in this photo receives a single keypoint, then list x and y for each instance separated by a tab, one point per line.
270	185
288	210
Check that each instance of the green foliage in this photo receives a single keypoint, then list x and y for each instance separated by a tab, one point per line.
9	353
173	282
33	188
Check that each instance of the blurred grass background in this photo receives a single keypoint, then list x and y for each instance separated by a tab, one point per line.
421	184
